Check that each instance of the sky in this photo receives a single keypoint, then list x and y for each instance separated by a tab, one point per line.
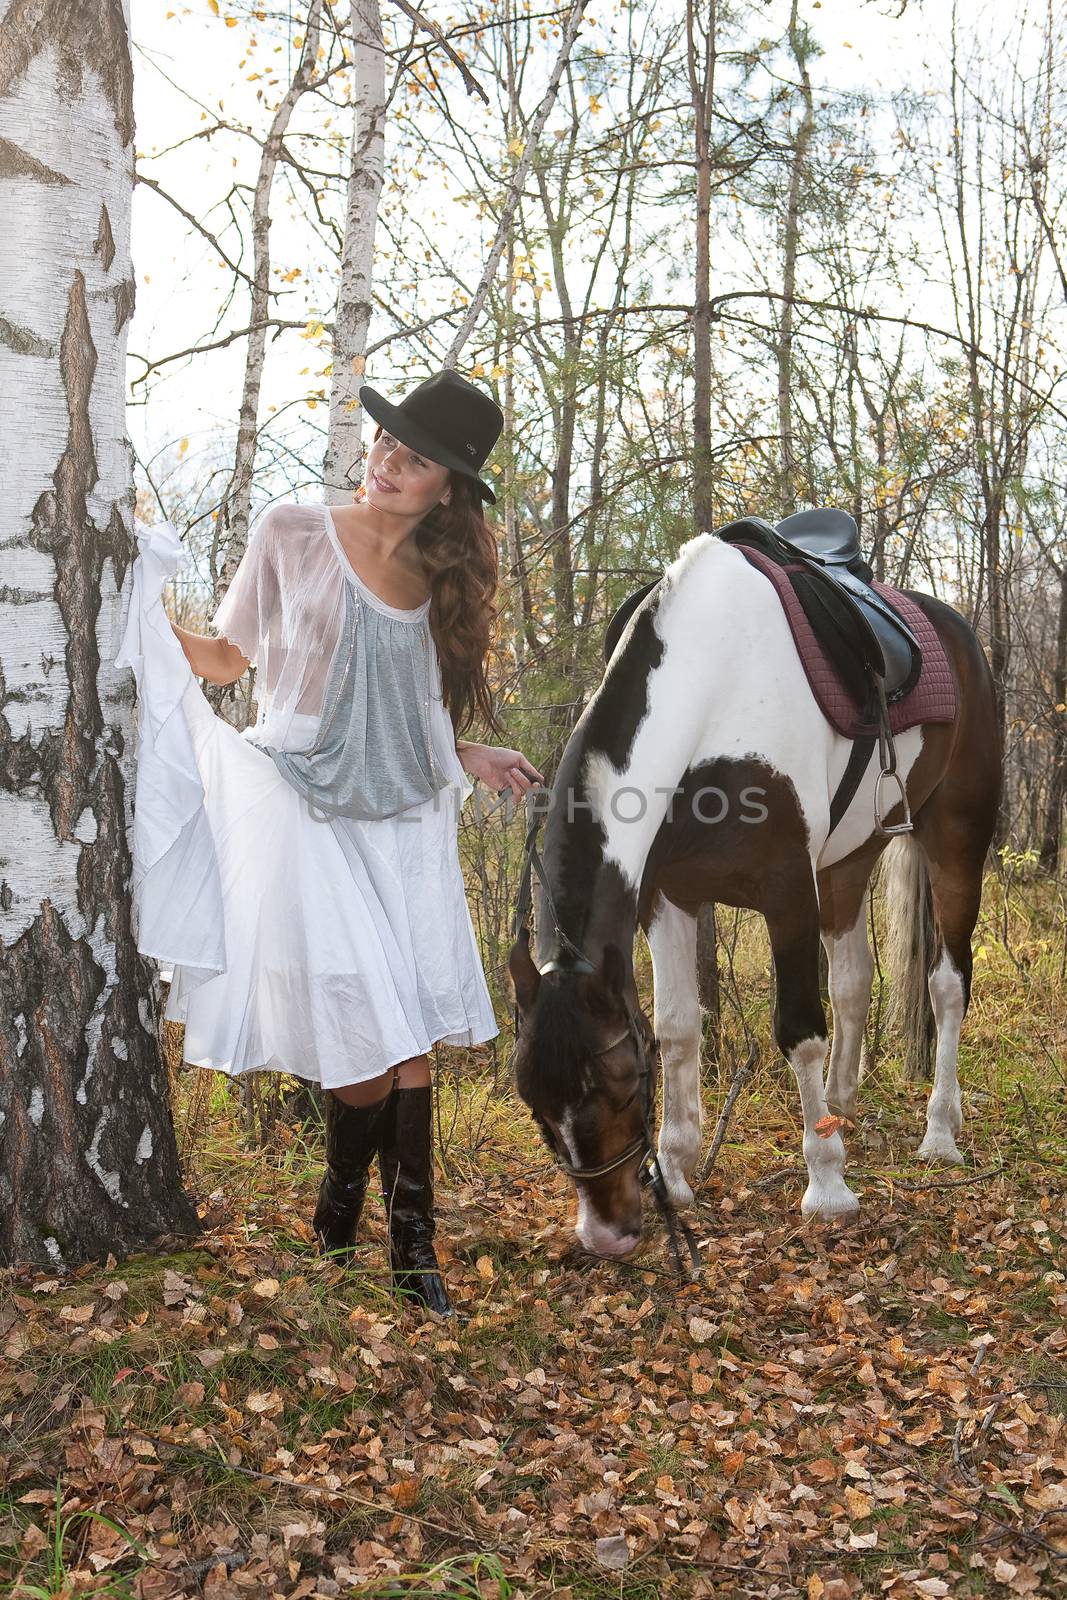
190	65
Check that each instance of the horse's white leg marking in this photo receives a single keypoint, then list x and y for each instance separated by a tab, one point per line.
827	1194
944	1111
851	975
672	939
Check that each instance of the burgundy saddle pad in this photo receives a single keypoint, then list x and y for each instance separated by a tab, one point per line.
933	698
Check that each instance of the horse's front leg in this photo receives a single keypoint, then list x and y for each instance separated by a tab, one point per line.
672	940
800	1029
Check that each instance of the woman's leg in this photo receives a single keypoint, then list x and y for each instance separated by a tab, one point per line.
406	1160
414	1073
356	1114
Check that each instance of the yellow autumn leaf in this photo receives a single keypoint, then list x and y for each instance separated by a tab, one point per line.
485	1268
214	6
859	1504
183	447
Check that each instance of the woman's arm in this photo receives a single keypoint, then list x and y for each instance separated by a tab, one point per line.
217	660
498	767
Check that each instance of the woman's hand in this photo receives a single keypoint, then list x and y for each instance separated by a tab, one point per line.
499	768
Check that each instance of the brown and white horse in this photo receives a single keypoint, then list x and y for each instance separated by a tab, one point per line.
703	770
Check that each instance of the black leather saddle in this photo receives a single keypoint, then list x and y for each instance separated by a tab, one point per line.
862	634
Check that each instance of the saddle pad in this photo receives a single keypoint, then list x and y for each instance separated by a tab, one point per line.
933	699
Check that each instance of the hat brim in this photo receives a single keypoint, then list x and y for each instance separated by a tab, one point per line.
379	409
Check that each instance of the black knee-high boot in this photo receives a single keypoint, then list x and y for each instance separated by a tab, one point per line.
352	1135
406	1158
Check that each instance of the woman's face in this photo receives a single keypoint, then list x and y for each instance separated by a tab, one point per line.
400	480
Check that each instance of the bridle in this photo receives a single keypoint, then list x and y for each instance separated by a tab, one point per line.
642	1145
649	1171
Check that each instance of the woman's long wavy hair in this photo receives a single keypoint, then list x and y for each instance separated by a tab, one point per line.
461	555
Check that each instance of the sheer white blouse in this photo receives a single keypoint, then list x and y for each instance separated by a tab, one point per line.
346	685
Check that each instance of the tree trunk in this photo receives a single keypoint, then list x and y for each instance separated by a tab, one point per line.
235	510
788	455
1052	831
352	318
700	54
88	1162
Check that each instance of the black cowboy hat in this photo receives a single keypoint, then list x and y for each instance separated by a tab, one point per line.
445	418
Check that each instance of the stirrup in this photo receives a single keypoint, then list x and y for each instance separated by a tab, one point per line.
887	755
881	811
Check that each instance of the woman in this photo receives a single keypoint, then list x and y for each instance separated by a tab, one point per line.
306	881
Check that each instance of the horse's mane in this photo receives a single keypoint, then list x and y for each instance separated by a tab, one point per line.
554	1056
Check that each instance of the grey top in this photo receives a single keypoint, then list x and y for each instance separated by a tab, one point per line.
372	755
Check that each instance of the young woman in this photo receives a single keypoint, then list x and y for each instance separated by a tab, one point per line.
323	838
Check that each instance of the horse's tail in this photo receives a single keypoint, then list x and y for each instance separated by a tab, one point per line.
910	951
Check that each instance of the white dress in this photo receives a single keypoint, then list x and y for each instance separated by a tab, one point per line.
329	949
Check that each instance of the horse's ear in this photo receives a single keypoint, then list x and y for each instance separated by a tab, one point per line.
525	978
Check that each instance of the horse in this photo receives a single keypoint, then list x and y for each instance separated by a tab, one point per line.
705	694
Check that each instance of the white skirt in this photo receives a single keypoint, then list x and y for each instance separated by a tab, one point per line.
327	949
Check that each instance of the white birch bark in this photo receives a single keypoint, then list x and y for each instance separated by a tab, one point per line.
352	320
87	1155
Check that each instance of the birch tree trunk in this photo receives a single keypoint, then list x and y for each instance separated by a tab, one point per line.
352	319
231	528
800	47
701	55
88	1162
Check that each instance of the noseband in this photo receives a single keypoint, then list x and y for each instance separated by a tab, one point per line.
649	1171
641	1146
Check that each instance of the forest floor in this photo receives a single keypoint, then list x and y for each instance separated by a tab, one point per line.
869	1410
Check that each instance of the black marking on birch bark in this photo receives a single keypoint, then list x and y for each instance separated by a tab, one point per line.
125	297
104	243
15	162
24	342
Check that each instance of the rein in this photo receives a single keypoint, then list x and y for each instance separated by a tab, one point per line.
649	1173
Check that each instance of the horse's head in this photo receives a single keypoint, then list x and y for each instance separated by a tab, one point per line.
585	1064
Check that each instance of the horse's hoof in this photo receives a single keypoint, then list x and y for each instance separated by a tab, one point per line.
828	1201
940	1147
679	1193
